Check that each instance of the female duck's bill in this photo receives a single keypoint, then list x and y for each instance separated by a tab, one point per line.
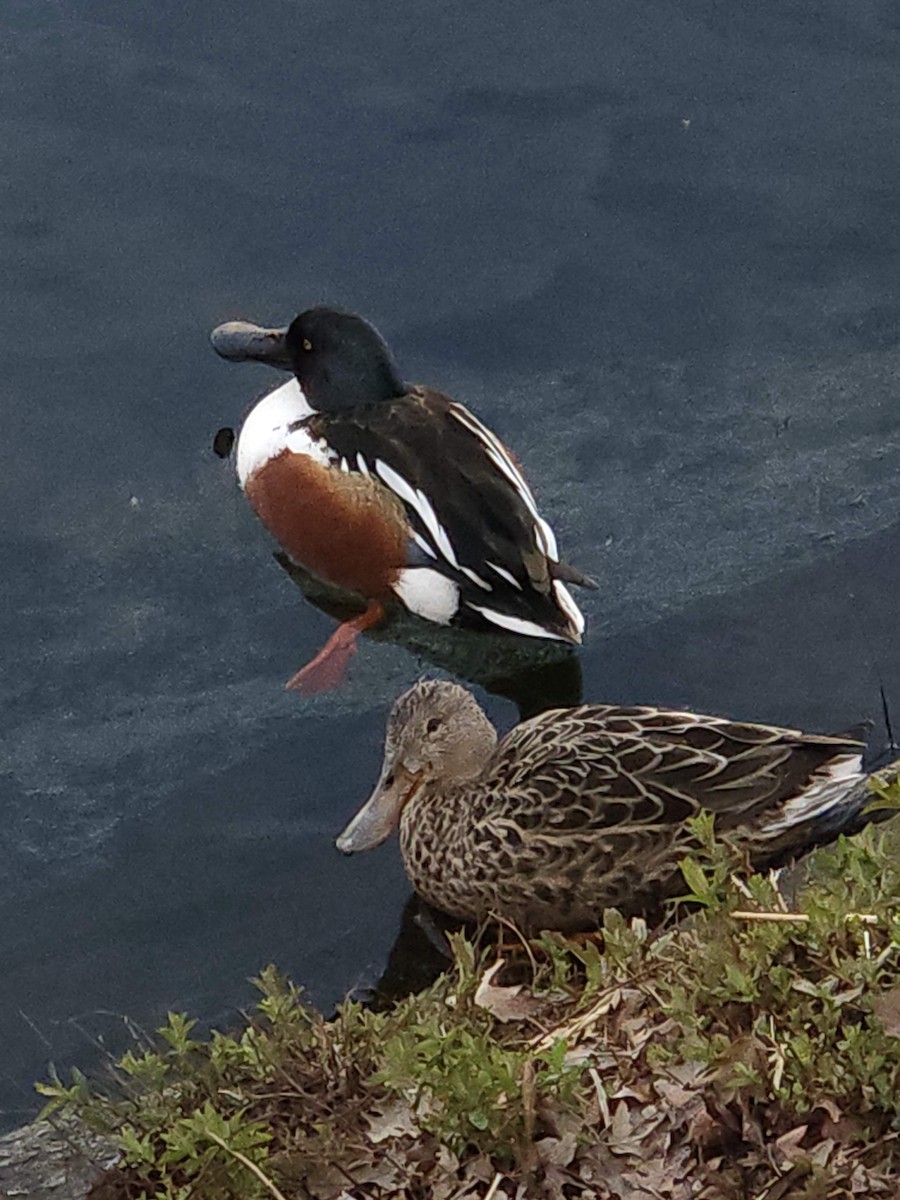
391	492
380	815
588	808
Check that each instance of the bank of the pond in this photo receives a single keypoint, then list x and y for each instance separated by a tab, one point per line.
746	1051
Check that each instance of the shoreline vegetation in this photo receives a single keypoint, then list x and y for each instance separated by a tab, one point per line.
744	1050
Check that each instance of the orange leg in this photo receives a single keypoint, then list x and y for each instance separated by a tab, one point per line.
326	671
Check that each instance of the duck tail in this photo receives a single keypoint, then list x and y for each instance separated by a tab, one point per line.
839	799
566	573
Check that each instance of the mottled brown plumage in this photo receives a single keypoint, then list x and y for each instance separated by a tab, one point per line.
582	809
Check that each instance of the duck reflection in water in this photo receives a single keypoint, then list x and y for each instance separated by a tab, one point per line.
535	675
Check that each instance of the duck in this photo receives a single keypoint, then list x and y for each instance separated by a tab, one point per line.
582	809
391	491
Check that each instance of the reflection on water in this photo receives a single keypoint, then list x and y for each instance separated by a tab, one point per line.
534	673
539	686
419	954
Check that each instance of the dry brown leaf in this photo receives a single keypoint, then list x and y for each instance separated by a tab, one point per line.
704	1130
598	1167
865	1181
821	1153
557	1151
504	1003
845	1130
571	1030
886	1008
640	1188
654	1177
383	1173
480	1168
849	994
829	1107
789	1144
620	1126
673	1093
396	1120
325	1180
689	1074
446	1166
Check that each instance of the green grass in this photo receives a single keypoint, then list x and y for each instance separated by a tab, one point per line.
719	1057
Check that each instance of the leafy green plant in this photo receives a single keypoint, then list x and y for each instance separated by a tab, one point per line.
469	1088
632	1048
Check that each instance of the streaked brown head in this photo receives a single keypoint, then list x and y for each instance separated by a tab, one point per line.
437	734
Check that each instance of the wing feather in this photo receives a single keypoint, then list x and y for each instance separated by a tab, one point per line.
651	768
466	499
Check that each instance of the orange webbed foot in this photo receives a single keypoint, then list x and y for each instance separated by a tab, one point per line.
327	670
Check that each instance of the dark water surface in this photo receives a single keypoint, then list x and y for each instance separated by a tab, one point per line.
654	245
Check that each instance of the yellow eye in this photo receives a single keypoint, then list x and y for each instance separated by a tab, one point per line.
307	344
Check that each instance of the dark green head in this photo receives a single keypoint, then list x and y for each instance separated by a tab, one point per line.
339	359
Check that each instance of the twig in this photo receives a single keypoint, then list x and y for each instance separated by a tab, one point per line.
245	1161
32	1025
492	1190
528	1104
505	923
886	713
799	918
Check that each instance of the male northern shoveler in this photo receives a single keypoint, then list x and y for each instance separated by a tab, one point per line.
582	809
392	491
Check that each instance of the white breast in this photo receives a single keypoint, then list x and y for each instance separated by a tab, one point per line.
267	430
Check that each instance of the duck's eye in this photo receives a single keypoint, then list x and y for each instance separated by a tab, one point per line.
433	724
307	344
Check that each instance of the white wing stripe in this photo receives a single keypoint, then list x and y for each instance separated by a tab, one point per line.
569	607
436	529
514	624
397	483
476	579
420	504
547	539
499	456
493	443
422	544
503	465
504	574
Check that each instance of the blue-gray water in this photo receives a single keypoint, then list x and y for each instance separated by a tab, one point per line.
654	245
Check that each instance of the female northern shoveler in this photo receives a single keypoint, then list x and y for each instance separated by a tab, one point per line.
582	809
392	491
